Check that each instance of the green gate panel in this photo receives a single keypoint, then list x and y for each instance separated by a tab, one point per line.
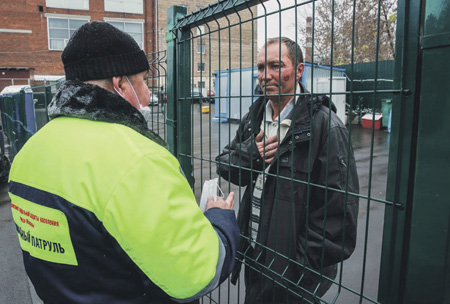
429	262
428	276
401	153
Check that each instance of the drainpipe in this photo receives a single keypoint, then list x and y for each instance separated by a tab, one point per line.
156	26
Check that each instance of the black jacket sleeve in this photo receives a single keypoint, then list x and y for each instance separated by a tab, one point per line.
238	159
224	222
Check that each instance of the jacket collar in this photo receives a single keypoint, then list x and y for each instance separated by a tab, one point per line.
86	101
303	110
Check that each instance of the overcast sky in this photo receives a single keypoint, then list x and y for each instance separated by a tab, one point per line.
288	20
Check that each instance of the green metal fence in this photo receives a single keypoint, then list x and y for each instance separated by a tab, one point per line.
157	83
23	113
359	75
378	271
402	253
221	29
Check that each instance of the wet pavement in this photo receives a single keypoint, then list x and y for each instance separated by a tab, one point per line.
360	272
14	286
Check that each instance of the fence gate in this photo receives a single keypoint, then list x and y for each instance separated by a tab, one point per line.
205	82
403	228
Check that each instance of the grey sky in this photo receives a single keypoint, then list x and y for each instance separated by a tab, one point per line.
289	23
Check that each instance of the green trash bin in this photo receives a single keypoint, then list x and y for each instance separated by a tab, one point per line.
386	106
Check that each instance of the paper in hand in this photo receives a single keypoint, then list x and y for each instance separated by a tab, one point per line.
210	188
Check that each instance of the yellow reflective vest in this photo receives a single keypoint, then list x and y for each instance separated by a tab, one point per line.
103	213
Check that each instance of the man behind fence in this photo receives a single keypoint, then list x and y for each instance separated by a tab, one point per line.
293	154
103	213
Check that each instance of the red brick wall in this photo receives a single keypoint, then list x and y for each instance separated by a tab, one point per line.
31	50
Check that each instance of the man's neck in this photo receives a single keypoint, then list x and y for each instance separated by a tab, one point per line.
282	101
279	105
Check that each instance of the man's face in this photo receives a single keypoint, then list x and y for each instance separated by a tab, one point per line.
277	75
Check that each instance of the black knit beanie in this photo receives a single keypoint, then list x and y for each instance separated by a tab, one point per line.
98	50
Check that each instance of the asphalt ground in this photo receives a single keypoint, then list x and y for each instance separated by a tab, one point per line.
14	285
359	274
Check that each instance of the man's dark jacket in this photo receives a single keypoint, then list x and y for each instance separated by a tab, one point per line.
308	214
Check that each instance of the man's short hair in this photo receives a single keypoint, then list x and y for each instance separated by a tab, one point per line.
294	50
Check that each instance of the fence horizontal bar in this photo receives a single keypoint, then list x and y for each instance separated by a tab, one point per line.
217	10
434	41
362	196
300	94
306	267
193	21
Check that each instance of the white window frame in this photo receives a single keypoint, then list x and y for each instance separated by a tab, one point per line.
124	6
130	20
201	48
201	65
65	17
201	84
67	4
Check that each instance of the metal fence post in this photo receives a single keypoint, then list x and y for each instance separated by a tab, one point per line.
184	137
172	14
178	106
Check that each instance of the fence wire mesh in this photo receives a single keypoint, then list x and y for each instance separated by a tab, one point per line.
157	84
218	76
225	43
24	112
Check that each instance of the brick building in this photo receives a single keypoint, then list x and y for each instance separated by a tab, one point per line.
33	33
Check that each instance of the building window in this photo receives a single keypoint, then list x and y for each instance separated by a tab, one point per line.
201	84
200	67
68	4
60	30
135	29
201	49
124	6
200	30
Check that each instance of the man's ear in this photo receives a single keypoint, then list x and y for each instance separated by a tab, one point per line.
117	84
300	70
